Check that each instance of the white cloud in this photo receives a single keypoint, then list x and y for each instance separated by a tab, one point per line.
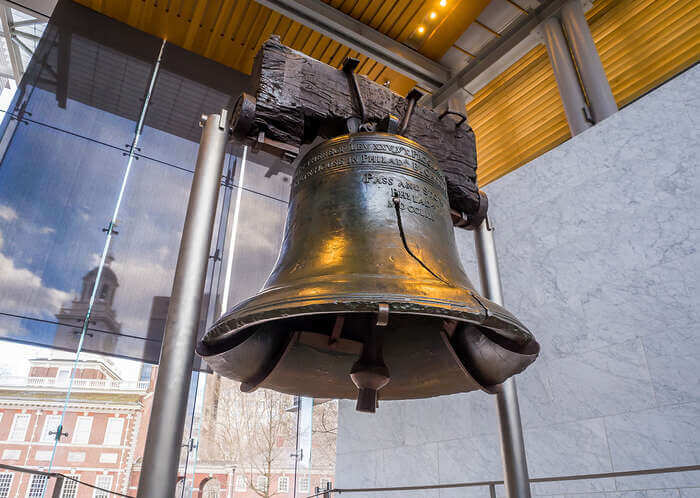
7	213
22	292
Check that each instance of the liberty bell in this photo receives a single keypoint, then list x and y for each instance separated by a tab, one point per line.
368	298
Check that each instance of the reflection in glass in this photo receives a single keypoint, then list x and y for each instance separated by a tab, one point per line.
67	146
103	438
257	242
254	432
254	435
53	188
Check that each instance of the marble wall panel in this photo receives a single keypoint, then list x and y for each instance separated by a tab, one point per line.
660	437
608	381
409	465
470	459
598	249
567	449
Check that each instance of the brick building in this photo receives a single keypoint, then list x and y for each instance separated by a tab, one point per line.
104	437
106	421
104	430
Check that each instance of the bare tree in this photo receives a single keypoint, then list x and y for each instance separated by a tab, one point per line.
253	430
324	431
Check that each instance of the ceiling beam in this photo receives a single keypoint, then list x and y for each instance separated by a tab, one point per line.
25	6
496	49
352	33
15	56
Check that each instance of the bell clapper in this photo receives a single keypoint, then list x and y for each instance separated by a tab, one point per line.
370	373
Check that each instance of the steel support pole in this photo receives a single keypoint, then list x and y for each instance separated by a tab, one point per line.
165	429
516	479
600	96
565	73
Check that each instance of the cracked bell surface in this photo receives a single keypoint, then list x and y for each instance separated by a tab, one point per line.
368	296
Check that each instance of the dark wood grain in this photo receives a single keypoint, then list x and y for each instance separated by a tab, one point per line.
299	98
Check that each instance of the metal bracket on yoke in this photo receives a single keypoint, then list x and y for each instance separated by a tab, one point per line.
390	124
349	66
243	129
412	98
473	220
454	113
285	151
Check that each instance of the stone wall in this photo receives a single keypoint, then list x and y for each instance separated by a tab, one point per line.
598	251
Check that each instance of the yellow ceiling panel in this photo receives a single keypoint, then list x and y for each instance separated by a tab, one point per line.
232	31
451	22
644	43
517	116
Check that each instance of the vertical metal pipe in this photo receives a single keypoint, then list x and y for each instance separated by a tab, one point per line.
517	481
57	487
600	96
166	426
565	73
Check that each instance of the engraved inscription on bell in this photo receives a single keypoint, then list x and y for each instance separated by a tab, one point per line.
368	298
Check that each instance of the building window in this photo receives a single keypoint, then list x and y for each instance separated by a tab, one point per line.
304	484
11	454
104	482
146	370
70	488
261	483
43	455
63	377
240	483
113	434
37	487
50	425
211	489
5	484
76	456
19	427
108	457
283	484
81	433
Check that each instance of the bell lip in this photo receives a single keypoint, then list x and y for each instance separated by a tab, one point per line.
225	335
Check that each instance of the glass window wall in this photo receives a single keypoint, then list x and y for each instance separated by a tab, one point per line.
97	150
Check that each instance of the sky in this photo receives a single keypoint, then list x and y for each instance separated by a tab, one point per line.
59	181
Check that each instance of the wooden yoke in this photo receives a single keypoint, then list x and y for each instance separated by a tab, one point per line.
299	99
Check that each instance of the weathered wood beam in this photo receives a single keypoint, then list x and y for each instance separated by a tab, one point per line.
299	98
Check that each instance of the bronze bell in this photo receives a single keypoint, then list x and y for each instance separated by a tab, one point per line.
368	291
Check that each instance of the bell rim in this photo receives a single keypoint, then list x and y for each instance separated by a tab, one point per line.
246	318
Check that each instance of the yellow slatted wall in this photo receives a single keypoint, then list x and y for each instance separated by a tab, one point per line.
517	116
643	43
